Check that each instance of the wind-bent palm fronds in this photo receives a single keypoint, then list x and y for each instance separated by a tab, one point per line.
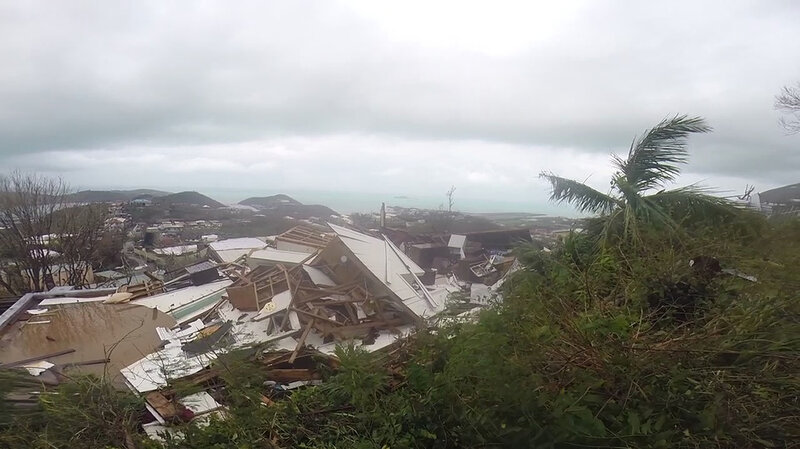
583	197
653	160
692	203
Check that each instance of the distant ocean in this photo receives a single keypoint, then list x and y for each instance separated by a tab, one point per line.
365	202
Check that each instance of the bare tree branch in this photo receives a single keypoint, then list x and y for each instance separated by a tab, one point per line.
42	235
788	101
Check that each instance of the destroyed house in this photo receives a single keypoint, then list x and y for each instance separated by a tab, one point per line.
359	288
388	268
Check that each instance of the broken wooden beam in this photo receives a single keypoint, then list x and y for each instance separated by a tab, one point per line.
35	359
302	341
292	374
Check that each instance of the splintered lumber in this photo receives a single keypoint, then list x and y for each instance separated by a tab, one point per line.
351	310
147	288
292	374
340	302
293	294
301	342
88	362
342	312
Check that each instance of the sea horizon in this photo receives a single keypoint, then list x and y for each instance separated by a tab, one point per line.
368	202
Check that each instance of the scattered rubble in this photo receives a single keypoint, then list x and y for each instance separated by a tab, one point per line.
290	299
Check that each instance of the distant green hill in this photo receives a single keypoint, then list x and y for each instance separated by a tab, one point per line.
113	196
284	205
189	198
269	202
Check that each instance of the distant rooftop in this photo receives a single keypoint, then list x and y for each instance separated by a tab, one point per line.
781	195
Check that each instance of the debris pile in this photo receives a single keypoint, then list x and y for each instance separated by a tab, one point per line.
283	371
305	298
343	287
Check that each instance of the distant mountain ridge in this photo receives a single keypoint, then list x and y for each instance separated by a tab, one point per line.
113	196
284	205
188	197
272	205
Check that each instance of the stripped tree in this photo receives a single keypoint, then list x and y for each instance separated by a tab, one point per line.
42	235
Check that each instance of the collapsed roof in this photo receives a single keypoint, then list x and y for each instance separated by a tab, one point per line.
358	288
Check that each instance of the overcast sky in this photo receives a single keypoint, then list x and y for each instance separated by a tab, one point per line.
395	98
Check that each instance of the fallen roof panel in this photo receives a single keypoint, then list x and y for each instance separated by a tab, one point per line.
230	255
392	268
167	302
237	243
305	235
277	255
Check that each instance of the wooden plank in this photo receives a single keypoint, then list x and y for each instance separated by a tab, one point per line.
271	290
255	294
291	299
378	306
274	359
292	374
351	310
339	302
88	362
34	359
301	341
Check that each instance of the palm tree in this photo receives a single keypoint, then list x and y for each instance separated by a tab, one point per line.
653	161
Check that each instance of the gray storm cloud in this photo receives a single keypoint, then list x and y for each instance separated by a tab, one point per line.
499	91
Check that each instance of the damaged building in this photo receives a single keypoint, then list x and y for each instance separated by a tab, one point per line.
288	299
